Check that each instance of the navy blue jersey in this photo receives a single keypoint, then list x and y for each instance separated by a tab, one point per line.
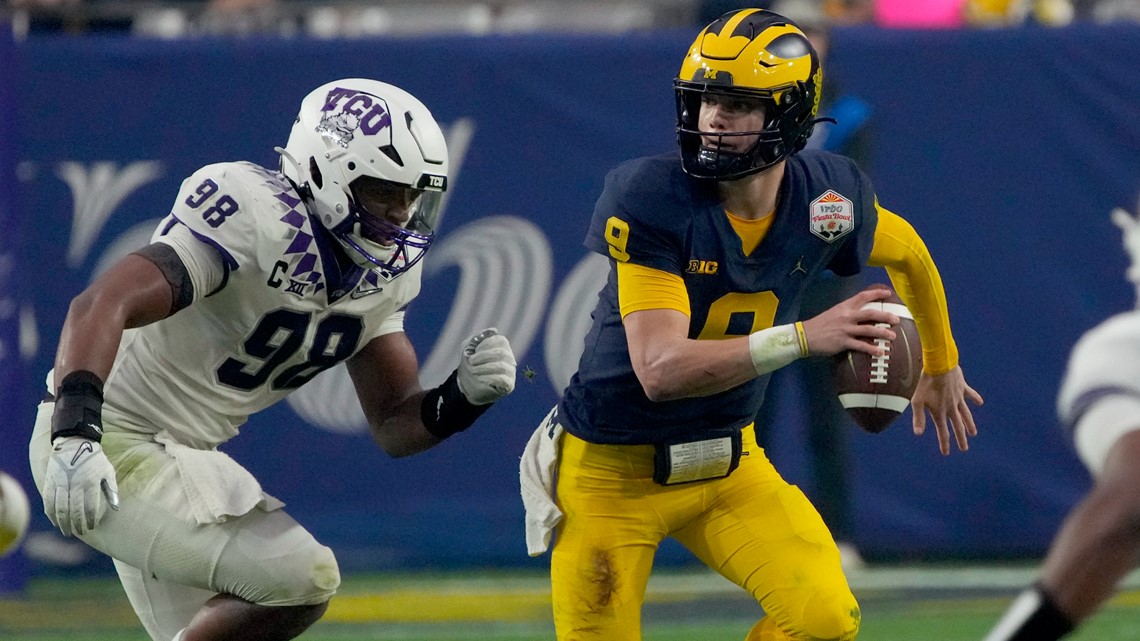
651	213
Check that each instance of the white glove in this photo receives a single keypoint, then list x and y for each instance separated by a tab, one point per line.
487	368
1131	228
80	484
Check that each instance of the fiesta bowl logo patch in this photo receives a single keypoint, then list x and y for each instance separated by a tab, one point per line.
832	216
347	111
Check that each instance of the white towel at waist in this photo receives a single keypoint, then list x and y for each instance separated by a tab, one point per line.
216	486
536	479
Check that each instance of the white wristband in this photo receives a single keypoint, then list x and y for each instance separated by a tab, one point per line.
774	348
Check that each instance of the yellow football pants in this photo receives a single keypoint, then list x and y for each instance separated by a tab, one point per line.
753	528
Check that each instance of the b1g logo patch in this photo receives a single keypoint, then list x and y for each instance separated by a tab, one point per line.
832	216
347	111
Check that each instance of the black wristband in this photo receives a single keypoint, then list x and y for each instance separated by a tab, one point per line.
78	407
445	411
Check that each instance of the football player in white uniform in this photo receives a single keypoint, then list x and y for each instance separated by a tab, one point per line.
1099	541
255	283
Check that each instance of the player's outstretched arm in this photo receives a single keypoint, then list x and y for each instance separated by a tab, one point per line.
911	269
405	419
79	482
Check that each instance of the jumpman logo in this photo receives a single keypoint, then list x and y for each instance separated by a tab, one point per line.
799	267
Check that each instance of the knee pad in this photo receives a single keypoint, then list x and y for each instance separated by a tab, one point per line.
312	578
307	578
830	617
279	567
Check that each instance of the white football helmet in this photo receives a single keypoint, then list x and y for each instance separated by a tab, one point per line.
357	136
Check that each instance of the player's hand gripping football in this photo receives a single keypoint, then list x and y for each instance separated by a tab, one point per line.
79	486
848	326
486	368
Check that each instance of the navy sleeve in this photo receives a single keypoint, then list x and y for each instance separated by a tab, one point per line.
635	220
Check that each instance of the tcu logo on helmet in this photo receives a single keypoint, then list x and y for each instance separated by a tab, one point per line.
347	110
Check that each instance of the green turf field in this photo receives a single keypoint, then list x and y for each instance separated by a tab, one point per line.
899	604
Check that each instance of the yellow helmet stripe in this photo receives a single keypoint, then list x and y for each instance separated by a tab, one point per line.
748	61
734	22
723	44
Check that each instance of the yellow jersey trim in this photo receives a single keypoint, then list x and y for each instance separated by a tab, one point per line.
640	288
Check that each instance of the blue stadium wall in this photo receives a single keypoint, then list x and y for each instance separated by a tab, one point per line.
1005	149
15	411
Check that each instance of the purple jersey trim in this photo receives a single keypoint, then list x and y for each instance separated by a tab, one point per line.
169	225
228	260
1088	398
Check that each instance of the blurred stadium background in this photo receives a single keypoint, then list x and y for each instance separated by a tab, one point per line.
1004	130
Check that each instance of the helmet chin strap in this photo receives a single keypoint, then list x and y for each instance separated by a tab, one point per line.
288	156
302	190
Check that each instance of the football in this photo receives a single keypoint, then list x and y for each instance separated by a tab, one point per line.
13	513
875	390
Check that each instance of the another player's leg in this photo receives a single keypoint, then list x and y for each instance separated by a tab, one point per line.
226	617
1097	545
163	608
1100	541
604	546
269	578
764	535
182	613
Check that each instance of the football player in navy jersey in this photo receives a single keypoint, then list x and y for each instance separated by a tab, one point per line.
255	283
710	253
1099	542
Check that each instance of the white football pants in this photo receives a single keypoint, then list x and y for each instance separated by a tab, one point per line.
168	563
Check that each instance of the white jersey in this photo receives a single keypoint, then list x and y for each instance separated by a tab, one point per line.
1099	399
282	313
